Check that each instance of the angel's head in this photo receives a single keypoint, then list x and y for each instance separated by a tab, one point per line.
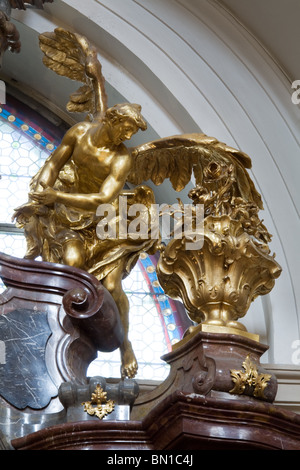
125	120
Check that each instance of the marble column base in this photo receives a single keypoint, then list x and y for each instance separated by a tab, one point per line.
179	422
204	363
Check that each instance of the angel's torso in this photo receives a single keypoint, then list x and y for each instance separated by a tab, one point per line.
93	163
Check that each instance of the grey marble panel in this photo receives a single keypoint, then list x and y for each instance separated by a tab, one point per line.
24	379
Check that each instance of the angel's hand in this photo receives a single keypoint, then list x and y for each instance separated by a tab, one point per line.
46	197
91	65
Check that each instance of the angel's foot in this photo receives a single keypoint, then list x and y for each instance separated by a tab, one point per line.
129	365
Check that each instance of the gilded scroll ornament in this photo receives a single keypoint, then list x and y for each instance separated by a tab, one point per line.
251	378
103	405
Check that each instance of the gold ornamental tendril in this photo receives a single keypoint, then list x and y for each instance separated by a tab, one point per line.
103	406
251	378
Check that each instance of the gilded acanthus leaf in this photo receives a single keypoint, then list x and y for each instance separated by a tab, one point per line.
103	405
250	378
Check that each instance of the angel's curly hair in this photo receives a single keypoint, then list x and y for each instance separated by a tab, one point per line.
123	111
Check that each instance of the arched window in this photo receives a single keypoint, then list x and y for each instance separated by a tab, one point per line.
156	322
24	146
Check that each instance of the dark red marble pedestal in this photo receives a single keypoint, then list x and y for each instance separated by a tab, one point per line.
202	364
180	421
193	409
53	319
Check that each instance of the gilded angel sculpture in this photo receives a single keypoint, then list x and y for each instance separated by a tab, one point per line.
91	167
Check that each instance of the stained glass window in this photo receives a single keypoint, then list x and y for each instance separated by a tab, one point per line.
155	320
22	151
155	325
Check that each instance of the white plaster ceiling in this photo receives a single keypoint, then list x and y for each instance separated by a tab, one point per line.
194	65
275	23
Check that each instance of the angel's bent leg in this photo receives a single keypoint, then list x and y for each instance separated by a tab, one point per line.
113	284
73	253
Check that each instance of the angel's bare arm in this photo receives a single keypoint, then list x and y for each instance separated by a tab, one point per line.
93	70
109	190
49	172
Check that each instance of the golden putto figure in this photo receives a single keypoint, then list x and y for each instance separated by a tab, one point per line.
91	167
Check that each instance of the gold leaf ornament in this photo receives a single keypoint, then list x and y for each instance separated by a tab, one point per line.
103	405
249	377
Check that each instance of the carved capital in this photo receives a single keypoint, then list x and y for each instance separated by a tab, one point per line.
218	282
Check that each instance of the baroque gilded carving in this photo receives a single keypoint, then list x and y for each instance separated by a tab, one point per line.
249	378
216	280
103	406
